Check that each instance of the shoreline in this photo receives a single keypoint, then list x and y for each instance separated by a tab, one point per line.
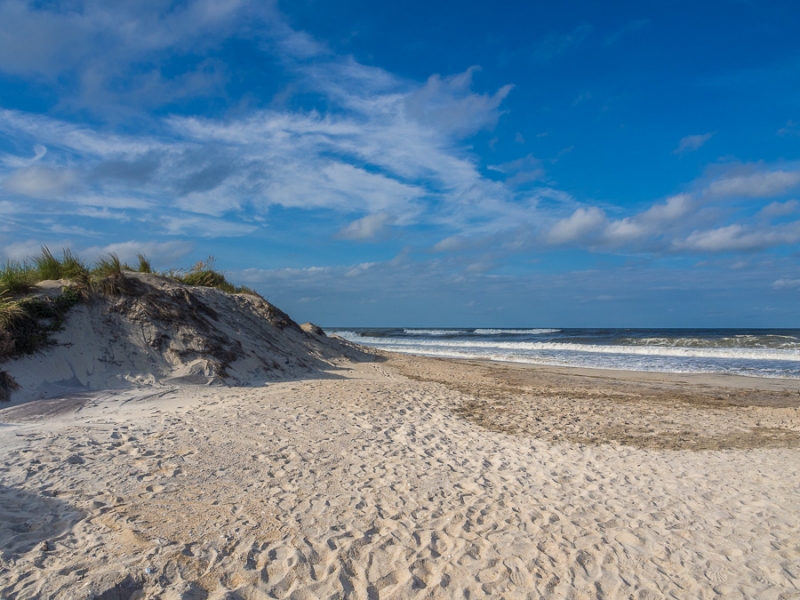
701	377
745	352
406	477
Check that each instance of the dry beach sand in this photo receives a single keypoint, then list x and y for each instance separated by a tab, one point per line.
392	476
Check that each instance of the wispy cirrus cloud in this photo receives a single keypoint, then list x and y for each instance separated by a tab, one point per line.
385	153
366	228
380	154
690	143
786	284
105	55
448	104
791	128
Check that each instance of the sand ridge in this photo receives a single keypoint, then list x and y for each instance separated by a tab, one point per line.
364	483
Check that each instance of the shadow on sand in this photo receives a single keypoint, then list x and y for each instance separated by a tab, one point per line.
29	520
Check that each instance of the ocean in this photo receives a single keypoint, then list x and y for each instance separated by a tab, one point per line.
750	352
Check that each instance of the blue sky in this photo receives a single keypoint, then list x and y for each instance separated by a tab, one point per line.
420	164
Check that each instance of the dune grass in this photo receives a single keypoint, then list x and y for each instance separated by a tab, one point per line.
26	319
204	274
10	310
19	278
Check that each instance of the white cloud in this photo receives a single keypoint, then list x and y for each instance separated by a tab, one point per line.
690	143
520	171
41	182
366	228
738	238
74	230
363	161
204	227
359	269
8	208
453	243
673	209
763	184
388	148
786	284
99	43
790	128
578	227
780	209
165	254
625	230
655	222
389	145
18	162
449	105
23	250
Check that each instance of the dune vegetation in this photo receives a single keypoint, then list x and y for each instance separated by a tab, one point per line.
28	315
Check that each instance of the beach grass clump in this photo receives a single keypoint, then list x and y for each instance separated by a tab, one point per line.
204	274
25	327
17	278
144	264
47	265
108	265
10	310
26	324
106	275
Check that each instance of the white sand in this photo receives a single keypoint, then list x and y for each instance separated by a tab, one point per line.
163	332
365	484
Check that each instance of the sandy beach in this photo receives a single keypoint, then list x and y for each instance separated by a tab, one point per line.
407	477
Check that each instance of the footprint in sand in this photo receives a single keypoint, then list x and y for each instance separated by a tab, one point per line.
518	573
717	574
587	561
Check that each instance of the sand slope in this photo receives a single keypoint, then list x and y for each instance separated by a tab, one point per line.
158	331
366	484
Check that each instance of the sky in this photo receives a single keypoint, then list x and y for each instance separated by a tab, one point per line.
419	164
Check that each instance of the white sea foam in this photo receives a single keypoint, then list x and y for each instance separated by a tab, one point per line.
657	366
526	348
514	331
435	332
754	355
737	341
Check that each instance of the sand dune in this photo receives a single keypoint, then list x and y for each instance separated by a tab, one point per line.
161	332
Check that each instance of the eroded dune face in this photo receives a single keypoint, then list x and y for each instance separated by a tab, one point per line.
154	330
